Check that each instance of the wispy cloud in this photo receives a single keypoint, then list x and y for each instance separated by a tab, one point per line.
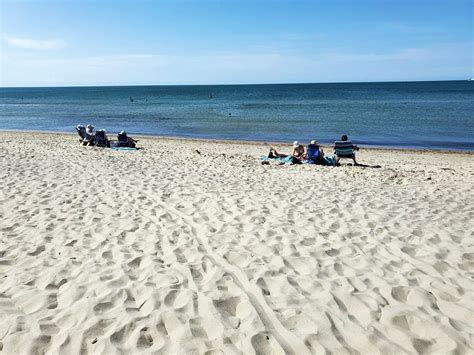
403	27
446	61
406	54
104	60
35	44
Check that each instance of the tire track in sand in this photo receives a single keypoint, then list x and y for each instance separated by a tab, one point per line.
290	343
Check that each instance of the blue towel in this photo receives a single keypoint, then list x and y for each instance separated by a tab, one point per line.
329	161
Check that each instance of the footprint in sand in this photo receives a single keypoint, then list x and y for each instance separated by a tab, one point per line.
409	250
47	326
38	250
400	293
40	344
145	340
468	256
135	263
196	275
53	286
264	343
227	305
71	243
107	255
196	329
332	252
103	307
118	337
52	301
178	299
422	346
263	286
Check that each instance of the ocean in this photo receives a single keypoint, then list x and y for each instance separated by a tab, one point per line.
424	115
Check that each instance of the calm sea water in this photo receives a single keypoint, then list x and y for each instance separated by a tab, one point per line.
437	115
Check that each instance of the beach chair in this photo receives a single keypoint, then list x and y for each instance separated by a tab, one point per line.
81	131
89	136
344	149
313	154
101	139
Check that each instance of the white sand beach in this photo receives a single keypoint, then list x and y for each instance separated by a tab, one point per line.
170	250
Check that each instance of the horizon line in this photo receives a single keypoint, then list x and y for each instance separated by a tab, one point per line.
237	84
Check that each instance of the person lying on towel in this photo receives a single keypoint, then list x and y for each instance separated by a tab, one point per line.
274	154
126	141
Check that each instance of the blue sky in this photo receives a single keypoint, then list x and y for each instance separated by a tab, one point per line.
104	42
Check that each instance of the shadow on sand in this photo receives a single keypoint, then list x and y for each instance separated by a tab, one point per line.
364	166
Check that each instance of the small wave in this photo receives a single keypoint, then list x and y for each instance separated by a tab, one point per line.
256	105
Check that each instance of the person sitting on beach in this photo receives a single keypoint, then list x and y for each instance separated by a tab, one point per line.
298	153
81	131
314	153
89	138
125	141
345	149
101	139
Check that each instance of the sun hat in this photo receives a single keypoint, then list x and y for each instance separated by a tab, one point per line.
296	143
314	142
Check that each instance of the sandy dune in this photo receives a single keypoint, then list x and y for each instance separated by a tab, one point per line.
174	251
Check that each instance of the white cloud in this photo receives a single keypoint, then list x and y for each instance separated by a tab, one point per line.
28	43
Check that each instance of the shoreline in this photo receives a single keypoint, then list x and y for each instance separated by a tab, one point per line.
251	142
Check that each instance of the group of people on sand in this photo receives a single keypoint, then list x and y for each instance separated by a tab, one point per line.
314	153
100	139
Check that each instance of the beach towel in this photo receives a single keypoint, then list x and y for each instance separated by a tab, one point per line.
329	161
